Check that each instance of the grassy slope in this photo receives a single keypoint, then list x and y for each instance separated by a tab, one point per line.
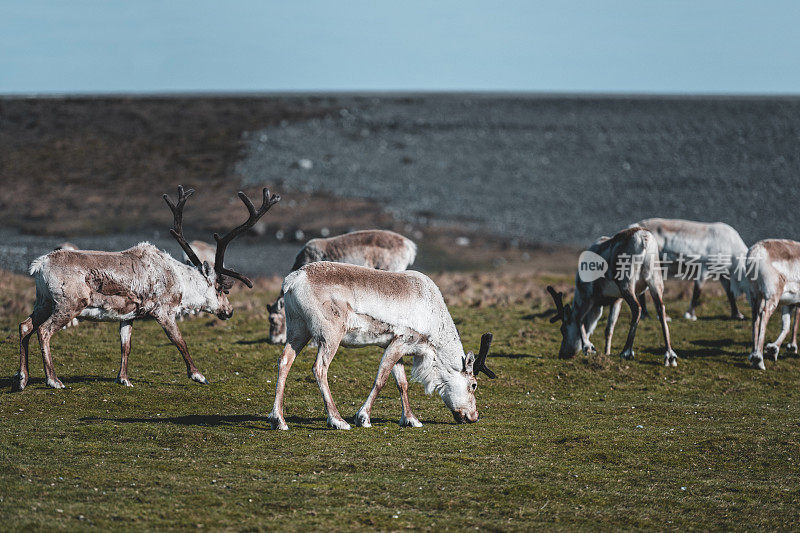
562	444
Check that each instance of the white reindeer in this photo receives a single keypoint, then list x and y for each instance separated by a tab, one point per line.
700	250
402	312
632	259
141	282
381	249
773	266
205	252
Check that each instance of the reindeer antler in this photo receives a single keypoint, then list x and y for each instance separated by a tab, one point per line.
222	242
480	360
558	298
177	225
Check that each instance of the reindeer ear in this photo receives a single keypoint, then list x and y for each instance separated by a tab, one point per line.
279	305
469	362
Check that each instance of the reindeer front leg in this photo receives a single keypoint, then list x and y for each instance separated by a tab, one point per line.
772	348
167	322
613	315
762	311
407	418
125	330
633	303
391	357
327	349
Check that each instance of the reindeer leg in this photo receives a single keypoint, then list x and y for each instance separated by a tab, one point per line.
613	315
327	349
26	329
633	303
407	419
735	313
657	293
765	310
643	303
772	349
792	346
296	342
174	335
391	355
125	330
55	322
690	314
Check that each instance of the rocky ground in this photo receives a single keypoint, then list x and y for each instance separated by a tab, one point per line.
478	180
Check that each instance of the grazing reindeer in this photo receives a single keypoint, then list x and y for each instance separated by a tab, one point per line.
622	281
381	249
715	246
140	282
205	252
402	312
774	265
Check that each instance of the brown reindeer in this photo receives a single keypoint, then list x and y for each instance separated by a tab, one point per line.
140	282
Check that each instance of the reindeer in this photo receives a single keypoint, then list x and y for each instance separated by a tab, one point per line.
623	280
715	246
140	282
774	269
381	249
402	312
204	251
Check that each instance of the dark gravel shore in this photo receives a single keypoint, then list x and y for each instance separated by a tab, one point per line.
548	169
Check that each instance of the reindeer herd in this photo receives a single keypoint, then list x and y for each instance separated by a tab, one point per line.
355	290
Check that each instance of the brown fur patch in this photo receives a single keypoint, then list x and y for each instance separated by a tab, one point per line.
782	249
389	284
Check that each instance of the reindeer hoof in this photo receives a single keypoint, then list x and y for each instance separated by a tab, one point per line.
689	316
589	349
361	419
670	359
18	382
627	354
337	423
198	377
410	422
124	381
738	316
791	348
757	361
55	383
276	422
771	350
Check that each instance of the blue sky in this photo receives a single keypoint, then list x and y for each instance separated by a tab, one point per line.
638	46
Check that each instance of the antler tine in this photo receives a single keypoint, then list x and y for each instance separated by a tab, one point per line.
177	224
558	298
254	215
480	360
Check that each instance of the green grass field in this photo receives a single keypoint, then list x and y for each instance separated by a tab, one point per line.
579	444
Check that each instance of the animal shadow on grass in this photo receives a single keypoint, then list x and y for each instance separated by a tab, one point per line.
262	340
5	383
187	420
509	355
541	314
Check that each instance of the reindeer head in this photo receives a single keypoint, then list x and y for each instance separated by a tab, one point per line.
219	279
458	392
571	342
277	322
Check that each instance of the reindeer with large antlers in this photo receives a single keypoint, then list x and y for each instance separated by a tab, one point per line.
140	282
633	268
403	312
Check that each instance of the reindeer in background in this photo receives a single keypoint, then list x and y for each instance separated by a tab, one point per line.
381	249
140	282
686	245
